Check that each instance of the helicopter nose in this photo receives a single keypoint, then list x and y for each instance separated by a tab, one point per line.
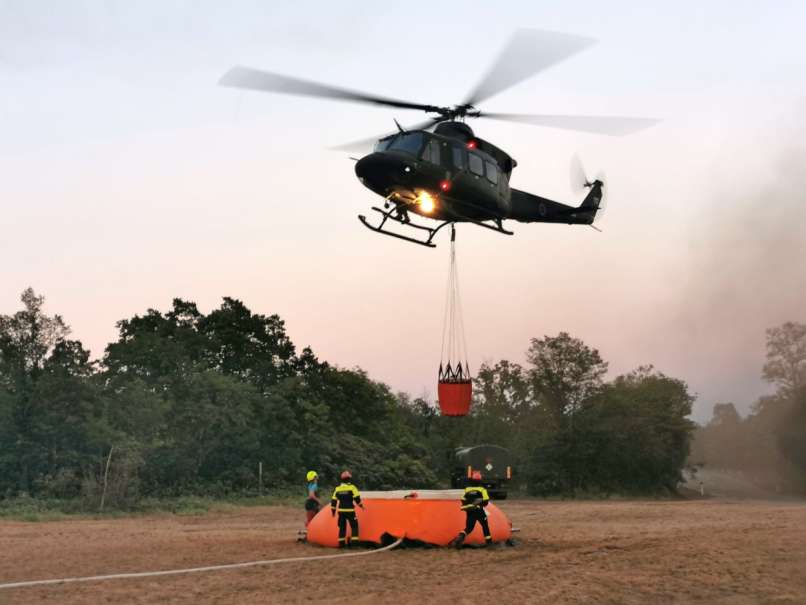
381	170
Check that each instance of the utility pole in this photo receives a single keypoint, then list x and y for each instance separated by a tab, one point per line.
106	478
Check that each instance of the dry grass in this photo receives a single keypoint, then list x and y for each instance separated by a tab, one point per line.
569	552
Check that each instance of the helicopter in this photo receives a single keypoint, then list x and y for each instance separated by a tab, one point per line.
440	169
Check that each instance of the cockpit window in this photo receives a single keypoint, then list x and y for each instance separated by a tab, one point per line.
409	142
383	144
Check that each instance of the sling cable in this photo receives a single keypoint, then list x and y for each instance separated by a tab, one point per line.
454	387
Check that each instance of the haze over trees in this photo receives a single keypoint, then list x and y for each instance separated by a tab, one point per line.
769	446
185	402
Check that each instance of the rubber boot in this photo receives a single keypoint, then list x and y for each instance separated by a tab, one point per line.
459	540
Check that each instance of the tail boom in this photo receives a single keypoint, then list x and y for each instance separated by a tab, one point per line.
529	208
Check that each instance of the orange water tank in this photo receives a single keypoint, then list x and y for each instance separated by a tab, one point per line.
433	517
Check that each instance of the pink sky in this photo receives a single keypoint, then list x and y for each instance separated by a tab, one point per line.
129	178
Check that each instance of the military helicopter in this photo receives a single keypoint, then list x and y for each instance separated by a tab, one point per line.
449	174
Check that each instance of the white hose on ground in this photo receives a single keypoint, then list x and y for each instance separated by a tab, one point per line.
173	572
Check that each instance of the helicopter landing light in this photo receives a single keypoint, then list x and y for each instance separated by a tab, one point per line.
426	202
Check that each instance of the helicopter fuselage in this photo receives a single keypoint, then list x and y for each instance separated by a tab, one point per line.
446	178
452	176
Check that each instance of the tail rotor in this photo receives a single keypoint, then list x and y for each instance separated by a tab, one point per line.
578	179
580	183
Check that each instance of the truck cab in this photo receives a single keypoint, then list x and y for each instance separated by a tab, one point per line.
492	461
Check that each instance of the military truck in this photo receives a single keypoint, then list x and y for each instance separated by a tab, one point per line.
492	461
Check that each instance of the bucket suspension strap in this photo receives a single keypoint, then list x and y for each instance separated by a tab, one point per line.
453	364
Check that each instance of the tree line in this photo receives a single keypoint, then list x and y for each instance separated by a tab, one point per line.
184	402
769	445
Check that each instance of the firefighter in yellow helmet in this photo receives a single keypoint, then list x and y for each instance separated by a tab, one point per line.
474	501
344	500
312	503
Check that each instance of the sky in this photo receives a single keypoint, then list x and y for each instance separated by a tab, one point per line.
130	178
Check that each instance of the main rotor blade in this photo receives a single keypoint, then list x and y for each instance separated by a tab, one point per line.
610	125
527	52
254	79
364	145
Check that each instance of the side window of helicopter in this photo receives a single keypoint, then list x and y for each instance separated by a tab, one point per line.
431	152
434	145
476	164
492	172
458	157
426	154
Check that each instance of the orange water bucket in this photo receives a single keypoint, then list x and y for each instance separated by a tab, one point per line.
455	397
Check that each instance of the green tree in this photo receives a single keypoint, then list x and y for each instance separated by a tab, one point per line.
786	358
27	339
565	373
8	440
791	436
725	415
503	399
68	429
254	347
722	442
367	429
786	411
156	348
638	432
230	340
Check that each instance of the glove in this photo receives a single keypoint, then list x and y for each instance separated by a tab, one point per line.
332	513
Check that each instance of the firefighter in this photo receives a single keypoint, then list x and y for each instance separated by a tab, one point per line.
312	503
345	498
474	501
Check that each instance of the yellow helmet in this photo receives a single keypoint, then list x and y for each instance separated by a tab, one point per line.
311	475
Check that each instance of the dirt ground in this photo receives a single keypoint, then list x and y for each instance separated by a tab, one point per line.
569	552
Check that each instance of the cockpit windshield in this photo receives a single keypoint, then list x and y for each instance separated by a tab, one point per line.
383	144
408	142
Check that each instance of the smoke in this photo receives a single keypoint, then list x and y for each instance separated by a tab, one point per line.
745	271
761	456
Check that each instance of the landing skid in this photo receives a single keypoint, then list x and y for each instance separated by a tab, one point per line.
498	226
400	216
